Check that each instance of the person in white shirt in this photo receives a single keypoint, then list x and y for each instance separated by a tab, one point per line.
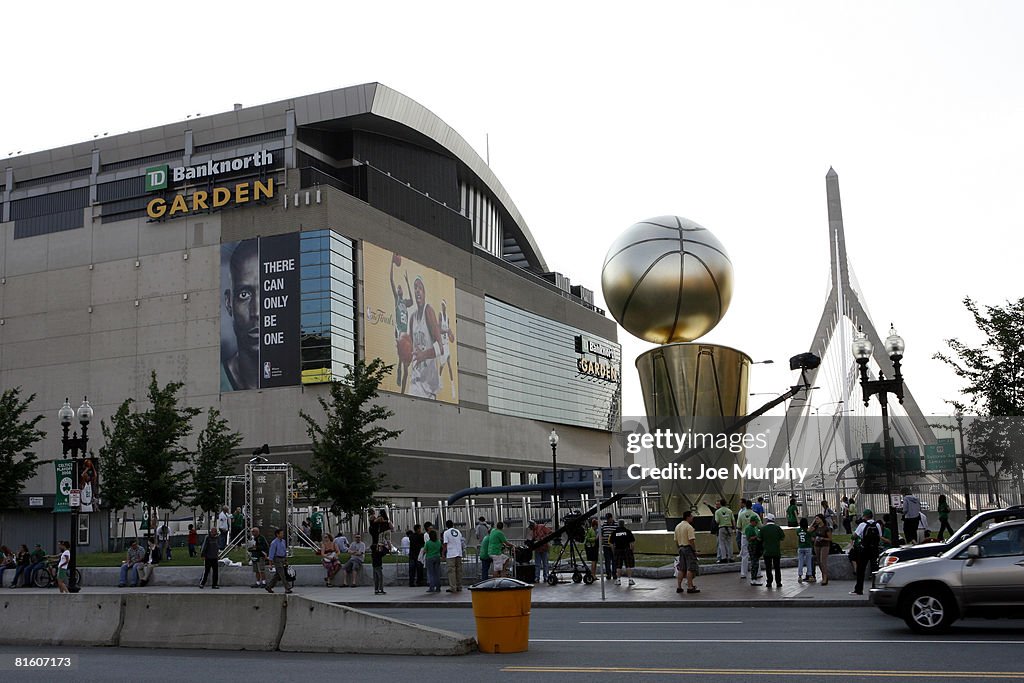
405	543
341	543
453	543
223	527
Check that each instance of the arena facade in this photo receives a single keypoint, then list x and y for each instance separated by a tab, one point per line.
251	254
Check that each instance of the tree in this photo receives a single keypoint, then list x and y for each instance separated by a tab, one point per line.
155	461
346	450
17	435
994	384
115	476
213	461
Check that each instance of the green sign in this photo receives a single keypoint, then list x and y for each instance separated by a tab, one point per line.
64	469
941	456
874	462
908	458
156	178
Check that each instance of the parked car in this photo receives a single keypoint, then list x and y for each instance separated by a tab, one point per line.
982	576
972	526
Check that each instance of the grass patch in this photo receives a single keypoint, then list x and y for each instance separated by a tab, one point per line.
180	558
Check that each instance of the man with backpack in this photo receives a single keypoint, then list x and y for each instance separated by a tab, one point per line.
866	539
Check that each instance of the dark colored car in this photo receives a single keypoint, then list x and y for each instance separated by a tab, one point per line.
975	524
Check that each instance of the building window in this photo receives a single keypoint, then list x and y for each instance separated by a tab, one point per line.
515	478
476	478
496	478
531	477
83	529
534	370
328	305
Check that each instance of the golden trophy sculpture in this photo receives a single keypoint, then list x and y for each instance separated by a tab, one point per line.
669	281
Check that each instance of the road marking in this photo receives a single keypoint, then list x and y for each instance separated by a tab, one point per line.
661	622
1011	675
762	641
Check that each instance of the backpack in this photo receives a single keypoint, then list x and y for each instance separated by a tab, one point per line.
872	537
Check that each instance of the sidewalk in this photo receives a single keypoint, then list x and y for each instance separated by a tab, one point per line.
717	590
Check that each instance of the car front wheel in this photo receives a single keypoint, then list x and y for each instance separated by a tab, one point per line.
929	610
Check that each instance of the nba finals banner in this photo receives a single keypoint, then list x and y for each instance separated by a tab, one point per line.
409	314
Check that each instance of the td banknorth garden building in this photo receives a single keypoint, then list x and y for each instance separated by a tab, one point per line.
252	254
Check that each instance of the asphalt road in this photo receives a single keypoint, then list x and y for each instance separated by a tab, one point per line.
613	644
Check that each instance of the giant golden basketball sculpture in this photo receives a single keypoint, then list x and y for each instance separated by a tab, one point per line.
668	280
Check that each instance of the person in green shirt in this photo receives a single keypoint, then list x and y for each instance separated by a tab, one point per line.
752	543
316	525
496	548
772	536
804	553
744	519
237	524
792	513
726	526
944	516
432	554
590	544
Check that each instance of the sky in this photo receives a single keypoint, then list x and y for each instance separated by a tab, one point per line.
599	116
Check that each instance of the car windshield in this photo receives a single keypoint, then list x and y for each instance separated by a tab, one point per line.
973	525
1007	540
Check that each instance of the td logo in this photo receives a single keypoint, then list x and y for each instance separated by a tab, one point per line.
156	178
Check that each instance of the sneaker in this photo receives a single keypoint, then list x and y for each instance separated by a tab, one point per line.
448	590
632	582
856	593
288	590
255	585
215	586
679	590
383	593
743	576
756	583
779	584
268	589
810	579
201	586
693	590
618	582
799	579
768	585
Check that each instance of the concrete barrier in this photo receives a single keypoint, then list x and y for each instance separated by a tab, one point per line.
313	626
306	575
212	621
53	619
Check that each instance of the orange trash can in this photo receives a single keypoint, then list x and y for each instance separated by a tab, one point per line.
502	610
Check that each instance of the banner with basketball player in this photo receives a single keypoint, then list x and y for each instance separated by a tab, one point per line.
409	322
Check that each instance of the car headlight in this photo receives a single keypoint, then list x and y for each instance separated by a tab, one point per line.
890	560
885	577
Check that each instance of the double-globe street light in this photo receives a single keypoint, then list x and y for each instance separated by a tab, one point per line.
74	444
553	440
862	350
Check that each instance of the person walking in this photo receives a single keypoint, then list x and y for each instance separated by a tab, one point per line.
758	507
607	529
223	527
193	540
822	543
866	539
377	555
210	551
804	553
432	554
844	510
62	566
163	540
726	529
828	515
943	508
496	548
743	520
454	543
279	558
772	536
481	530
686	541
591	544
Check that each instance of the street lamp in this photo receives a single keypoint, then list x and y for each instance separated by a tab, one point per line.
882	387
553	440
74	444
959	417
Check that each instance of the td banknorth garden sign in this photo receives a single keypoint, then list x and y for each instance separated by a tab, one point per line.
158	177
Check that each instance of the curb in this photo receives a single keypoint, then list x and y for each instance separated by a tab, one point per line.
792	602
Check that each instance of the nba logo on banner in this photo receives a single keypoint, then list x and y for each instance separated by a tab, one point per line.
266	370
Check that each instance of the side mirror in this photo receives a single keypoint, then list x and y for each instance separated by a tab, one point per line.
973	553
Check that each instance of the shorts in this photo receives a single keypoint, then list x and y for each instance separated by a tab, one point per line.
498	561
687	559
624	558
591	551
353	565
258	564
62	574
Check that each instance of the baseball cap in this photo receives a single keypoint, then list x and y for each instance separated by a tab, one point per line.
531	524
769	517
869	513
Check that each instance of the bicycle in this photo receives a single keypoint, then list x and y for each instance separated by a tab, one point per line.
47	576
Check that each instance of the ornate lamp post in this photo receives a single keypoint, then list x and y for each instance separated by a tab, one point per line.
882	387
553	440
74	444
